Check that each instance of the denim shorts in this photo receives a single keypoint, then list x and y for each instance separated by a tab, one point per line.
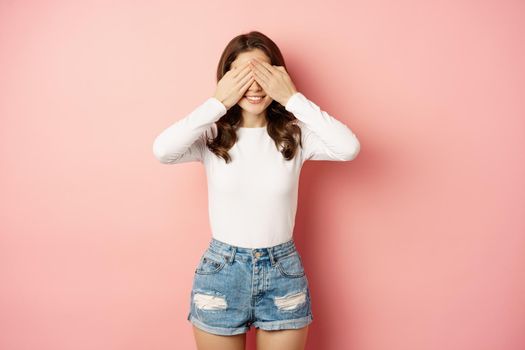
236	287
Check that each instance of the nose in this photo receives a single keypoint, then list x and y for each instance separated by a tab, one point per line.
255	86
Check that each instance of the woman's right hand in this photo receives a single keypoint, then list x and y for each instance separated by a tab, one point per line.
233	85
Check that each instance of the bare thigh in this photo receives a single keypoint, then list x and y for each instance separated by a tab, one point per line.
209	341
286	339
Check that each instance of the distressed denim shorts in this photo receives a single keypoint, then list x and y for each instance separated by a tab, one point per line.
236	287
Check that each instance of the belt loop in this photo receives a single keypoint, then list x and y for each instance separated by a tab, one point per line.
232	256
270	253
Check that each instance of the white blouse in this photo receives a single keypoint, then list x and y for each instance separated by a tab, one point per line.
253	199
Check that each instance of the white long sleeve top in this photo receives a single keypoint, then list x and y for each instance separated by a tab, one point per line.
252	201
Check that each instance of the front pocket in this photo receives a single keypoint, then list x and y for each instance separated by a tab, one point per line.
291	265
210	263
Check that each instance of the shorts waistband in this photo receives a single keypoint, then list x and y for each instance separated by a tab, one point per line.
273	253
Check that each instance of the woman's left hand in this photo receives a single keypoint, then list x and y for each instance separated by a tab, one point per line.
274	80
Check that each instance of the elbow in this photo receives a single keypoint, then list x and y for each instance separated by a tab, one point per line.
352	149
160	153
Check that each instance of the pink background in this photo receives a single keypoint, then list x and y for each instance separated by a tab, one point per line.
418	244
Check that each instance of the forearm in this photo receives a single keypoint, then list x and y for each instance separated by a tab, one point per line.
339	141
175	140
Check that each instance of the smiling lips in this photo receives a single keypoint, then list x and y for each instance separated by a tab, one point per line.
254	98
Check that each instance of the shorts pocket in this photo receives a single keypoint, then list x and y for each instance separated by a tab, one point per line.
210	263
291	265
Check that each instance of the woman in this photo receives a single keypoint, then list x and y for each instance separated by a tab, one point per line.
253	136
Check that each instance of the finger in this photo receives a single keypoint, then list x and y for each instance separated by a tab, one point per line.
247	85
243	80
233	70
262	73
241	68
241	72
261	81
266	66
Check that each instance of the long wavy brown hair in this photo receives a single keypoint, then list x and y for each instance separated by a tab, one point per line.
281	126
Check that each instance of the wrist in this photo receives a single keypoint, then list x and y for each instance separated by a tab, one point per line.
289	97
220	100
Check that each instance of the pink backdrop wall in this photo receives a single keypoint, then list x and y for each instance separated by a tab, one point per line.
416	244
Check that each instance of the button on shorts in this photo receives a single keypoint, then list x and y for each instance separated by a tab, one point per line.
236	287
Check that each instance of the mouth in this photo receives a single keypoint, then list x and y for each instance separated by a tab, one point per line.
254	98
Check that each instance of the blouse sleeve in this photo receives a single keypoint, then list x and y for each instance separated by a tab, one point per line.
185	140
323	136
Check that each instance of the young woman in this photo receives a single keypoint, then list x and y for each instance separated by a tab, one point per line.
253	136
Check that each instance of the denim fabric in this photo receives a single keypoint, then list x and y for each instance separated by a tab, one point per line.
236	287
